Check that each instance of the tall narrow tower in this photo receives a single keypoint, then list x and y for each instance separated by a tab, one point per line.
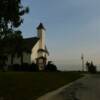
41	35
42	58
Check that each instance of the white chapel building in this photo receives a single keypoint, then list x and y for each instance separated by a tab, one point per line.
35	50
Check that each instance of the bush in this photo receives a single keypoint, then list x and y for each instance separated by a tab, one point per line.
15	67
25	67
91	67
34	67
31	67
51	67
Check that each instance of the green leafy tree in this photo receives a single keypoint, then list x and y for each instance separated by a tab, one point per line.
51	67
11	12
16	41
91	67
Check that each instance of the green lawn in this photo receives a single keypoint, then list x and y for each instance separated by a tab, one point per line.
30	85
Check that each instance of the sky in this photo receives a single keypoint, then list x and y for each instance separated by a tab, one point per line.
72	28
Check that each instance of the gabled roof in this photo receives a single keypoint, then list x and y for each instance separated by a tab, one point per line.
40	26
29	43
26	45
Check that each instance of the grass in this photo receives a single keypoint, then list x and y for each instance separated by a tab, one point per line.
30	85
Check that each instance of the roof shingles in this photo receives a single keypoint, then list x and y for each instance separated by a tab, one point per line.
26	45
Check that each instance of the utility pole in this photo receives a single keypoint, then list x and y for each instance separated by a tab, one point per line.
82	58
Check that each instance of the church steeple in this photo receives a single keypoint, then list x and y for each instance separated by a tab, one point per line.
41	59
41	35
40	26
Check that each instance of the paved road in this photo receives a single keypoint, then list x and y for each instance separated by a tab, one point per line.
87	88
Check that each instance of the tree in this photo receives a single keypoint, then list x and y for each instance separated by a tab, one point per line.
11	12
19	45
51	67
91	67
16	48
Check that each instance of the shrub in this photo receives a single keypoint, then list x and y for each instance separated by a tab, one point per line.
34	67
16	67
91	67
51	67
24	67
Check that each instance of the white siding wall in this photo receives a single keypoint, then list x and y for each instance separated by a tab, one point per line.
8	62
34	53
41	35
16	60
27	58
